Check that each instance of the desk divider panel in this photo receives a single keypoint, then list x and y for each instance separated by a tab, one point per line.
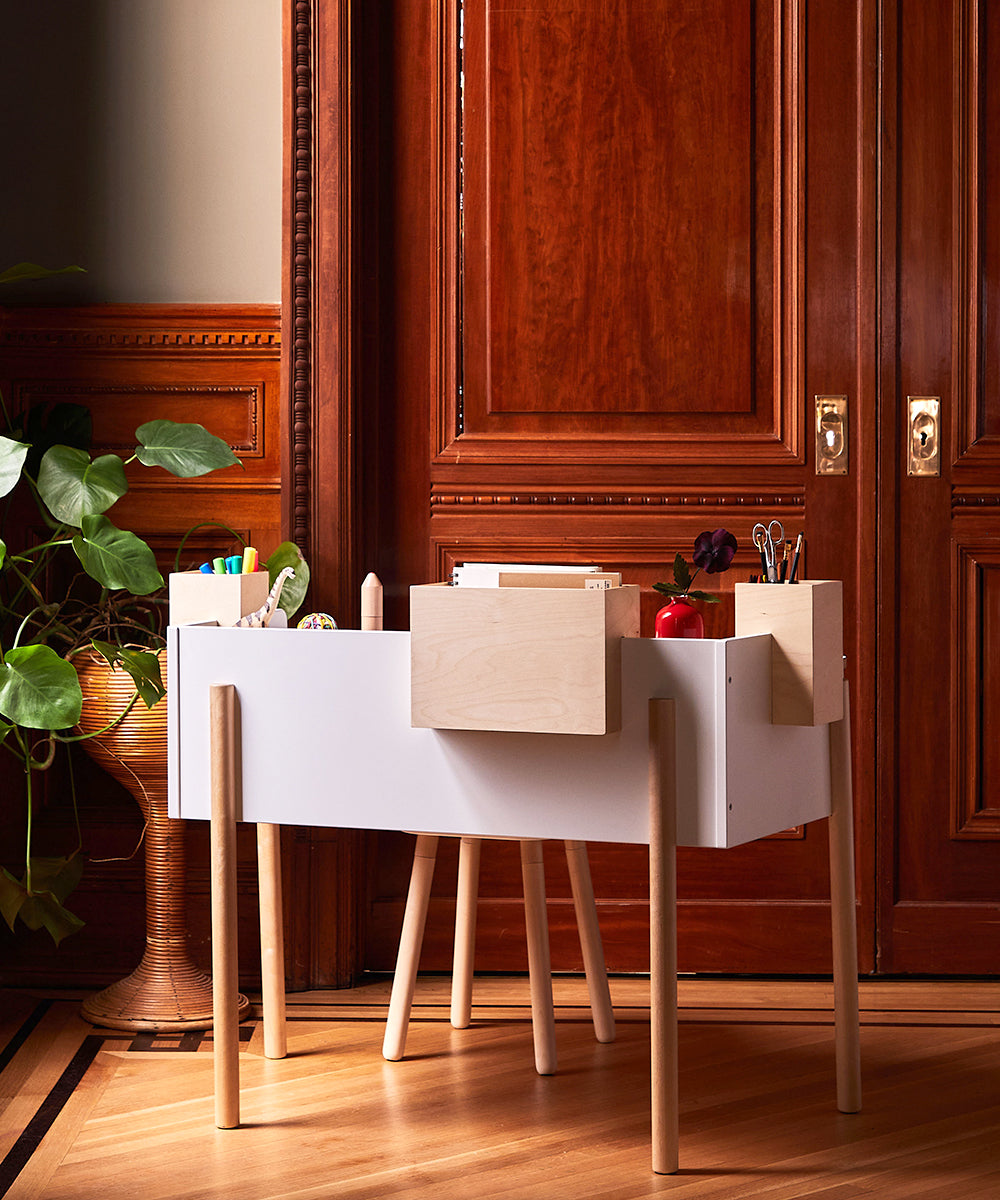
327	741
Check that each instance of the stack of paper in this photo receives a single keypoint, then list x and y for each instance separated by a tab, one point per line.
489	575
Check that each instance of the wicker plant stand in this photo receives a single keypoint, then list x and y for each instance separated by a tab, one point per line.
166	991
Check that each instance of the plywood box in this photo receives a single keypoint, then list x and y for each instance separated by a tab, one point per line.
806	624
196	597
530	660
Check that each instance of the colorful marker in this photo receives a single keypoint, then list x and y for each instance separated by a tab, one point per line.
219	566
249	560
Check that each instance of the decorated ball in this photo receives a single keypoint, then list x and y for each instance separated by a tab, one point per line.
317	621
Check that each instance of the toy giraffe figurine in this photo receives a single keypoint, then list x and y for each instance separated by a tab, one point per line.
262	616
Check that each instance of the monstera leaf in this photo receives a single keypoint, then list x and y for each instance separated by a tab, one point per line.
12	456
39	689
182	449
27	270
142	665
294	590
115	557
74	486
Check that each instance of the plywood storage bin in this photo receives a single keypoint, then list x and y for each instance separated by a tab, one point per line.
528	660
806	624
197	597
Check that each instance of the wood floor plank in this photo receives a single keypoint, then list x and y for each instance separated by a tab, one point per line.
465	1115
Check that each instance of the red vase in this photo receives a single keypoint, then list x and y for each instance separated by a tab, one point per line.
679	619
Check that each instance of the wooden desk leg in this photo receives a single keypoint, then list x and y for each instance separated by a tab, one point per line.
663	934
590	941
272	940
410	940
465	932
225	998
845	935
536	920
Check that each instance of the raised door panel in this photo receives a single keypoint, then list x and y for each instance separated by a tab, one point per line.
630	236
941	560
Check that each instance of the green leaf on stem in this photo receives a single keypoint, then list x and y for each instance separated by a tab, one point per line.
682	573
39	689
44	909
116	558
142	665
12	896
182	449
74	486
27	270
52	880
62	425
294	590
12	456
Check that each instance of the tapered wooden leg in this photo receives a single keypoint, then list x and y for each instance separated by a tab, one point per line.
842	897
272	940
465	932
663	933
590	941
543	1020
410	940
225	997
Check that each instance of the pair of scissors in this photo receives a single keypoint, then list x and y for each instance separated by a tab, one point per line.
769	540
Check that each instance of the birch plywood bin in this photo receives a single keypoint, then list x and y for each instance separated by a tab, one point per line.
806	624
195	597
522	660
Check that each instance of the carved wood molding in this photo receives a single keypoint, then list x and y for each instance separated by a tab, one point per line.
458	499
41	390
297	314
171	328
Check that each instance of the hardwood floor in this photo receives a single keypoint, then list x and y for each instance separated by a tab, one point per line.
94	1113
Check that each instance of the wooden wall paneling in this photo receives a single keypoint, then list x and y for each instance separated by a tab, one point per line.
218	365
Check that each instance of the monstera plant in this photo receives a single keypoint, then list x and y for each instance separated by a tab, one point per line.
85	583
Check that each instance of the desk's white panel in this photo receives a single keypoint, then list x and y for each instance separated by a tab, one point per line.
327	741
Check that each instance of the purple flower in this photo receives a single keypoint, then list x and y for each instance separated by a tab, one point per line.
714	550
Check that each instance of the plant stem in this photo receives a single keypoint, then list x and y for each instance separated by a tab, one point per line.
27	836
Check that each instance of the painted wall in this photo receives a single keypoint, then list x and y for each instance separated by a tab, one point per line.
141	139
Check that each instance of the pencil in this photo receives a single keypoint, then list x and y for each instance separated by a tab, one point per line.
795	560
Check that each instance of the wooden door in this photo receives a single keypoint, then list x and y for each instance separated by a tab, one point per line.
939	669
593	310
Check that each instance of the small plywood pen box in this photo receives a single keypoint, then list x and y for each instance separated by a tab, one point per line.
197	597
521	659
806	624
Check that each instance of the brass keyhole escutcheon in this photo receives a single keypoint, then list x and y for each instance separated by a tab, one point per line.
924	451
831	435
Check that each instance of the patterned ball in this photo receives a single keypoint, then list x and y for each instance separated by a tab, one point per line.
317	621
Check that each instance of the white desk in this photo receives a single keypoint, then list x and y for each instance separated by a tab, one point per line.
295	727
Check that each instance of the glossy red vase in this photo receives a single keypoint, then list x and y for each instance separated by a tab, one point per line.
679	619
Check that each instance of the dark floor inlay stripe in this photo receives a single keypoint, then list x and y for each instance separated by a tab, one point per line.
39	1125
22	1035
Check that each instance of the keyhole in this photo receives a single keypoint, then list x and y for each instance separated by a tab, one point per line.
924	436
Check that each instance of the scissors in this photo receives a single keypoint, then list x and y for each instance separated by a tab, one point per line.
769	540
